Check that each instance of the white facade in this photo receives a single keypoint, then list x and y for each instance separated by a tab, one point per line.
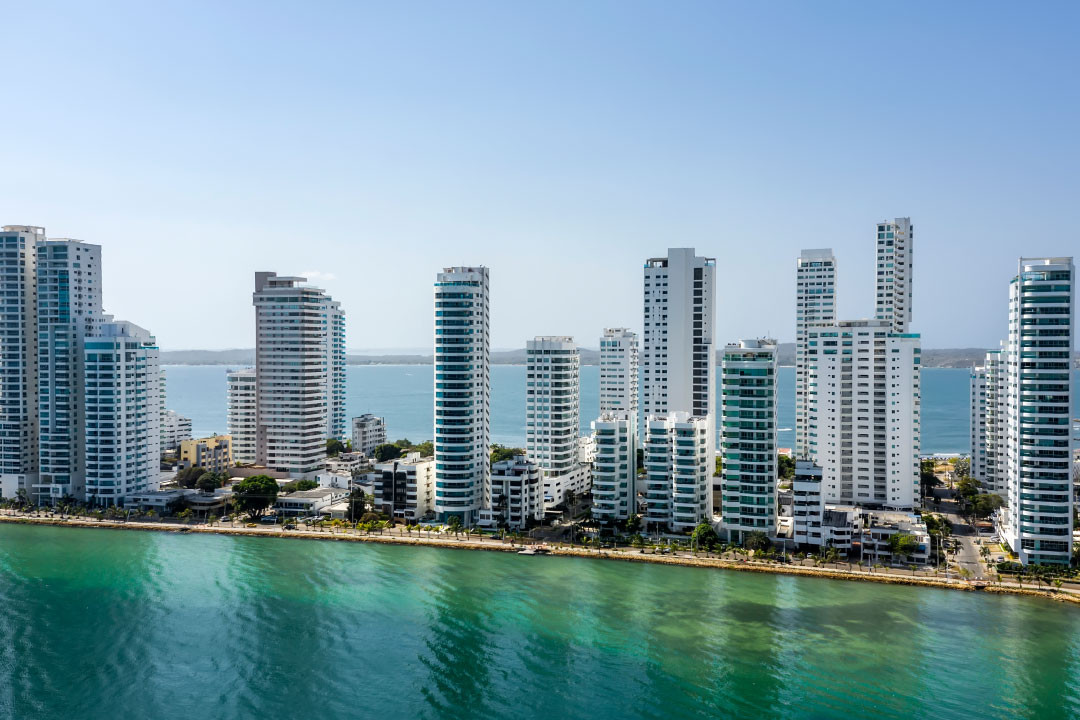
368	432
308	502
815	305
895	243
462	392
1038	520
299	373
993	439
516	493
122	412
678	465
242	414
175	429
977	421
68	309
748	434
864	404
553	414
808	504
18	371
619	371
614	472
405	488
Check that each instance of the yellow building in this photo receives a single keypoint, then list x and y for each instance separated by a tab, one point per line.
212	453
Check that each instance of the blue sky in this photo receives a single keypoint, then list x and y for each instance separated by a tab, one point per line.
559	143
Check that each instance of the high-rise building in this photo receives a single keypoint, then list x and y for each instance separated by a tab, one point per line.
175	429
977	422
242	414
1037	522
863	392
895	243
993	439
123	445
18	352
807	505
68	310
368	432
299	377
748	435
462	393
516	493
614	464
815	305
553	414
678	463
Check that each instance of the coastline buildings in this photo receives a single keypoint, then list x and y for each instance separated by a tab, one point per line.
895	245
748	434
368	432
678	463
242	414
175	429
299	373
211	453
405	488
462	393
517	497
122	410
553	415
815	305
977	424
864	393
614	464
1037	522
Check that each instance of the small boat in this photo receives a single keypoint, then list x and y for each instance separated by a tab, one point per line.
528	551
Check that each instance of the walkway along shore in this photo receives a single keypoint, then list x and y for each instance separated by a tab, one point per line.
494	545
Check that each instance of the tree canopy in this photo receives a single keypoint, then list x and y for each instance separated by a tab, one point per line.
298	485
757	540
501	452
705	536
208	482
785	467
334	447
387	452
903	544
255	494
187	477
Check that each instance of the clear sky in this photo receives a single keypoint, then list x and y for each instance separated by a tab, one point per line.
559	143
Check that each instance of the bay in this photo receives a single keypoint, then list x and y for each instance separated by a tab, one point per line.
106	624
404	395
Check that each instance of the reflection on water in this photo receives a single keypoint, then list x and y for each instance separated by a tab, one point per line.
97	624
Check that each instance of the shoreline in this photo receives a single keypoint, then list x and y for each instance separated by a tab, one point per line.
628	555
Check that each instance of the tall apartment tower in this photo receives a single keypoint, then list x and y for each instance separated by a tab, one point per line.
242	414
1037	522
462	392
977	422
298	373
748	436
122	412
678	463
553	414
18	371
993	439
864	391
678	358
69	309
894	273
614	475
815	305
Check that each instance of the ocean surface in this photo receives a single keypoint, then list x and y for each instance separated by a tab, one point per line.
107	624
403	394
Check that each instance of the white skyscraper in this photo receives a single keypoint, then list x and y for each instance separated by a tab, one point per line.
864	393
977	422
242	414
815	305
299	357
553	414
462	393
68	309
1038	520
122	412
678	464
895	244
18	371
993	439
614	473
748	437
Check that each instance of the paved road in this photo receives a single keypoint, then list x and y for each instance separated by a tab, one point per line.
968	554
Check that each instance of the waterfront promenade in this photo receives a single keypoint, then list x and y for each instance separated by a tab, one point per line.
441	538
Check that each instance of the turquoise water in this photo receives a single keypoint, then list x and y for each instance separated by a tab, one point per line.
403	394
108	624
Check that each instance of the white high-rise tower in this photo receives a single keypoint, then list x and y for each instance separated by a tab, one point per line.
815	305
553	414
614	478
894	272
462	393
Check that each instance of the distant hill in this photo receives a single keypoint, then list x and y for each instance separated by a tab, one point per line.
946	358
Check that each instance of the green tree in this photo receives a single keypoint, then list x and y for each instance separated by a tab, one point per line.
985	504
501	452
785	467
208	482
334	447
298	485
387	452
255	494
719	470
757	540
705	537
640	461
453	524
187	477
357	503
903	544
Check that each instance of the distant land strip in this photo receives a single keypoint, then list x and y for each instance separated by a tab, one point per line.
954	358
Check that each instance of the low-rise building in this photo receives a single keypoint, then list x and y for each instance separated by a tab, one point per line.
308	502
405	488
336	481
158	500
212	453
368	432
175	429
348	463
516	496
